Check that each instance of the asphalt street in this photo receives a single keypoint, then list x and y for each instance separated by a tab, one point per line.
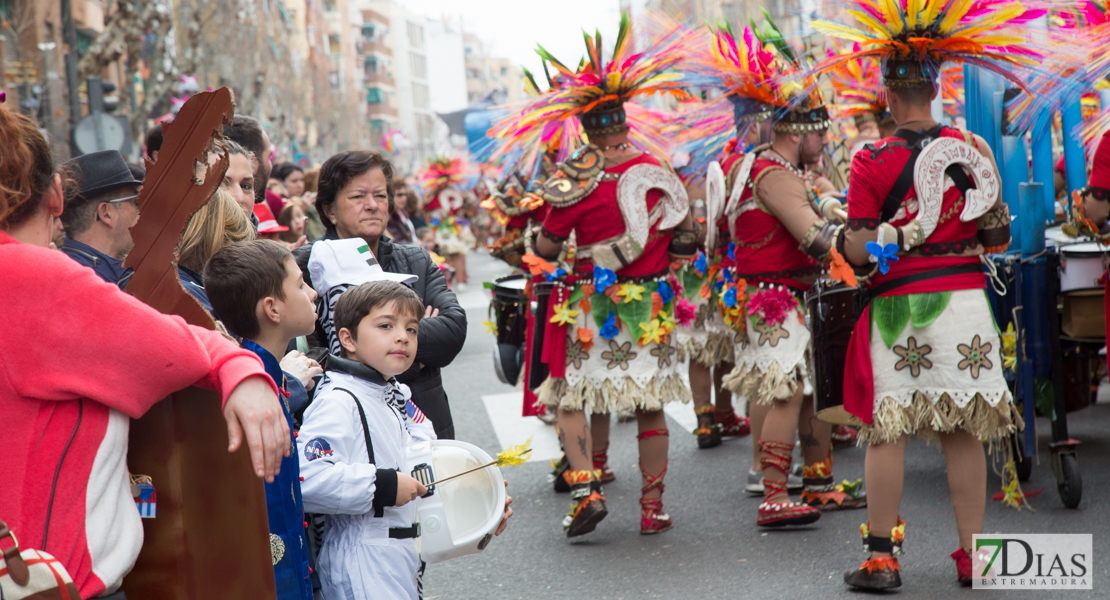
715	549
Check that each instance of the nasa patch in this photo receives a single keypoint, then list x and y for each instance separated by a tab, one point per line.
317	448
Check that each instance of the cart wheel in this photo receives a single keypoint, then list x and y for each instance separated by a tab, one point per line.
1022	461
1070	484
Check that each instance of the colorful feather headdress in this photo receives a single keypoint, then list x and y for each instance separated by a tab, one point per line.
594	95
443	172
858	85
913	38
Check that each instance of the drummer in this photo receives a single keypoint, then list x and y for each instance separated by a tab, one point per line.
776	253
1090	206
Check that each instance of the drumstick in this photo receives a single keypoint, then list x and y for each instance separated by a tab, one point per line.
510	458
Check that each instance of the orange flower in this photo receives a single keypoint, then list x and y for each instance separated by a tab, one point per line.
840	270
613	292
656	304
537	265
588	289
586	338
705	291
584	304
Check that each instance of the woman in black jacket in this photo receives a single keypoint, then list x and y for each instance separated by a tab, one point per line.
355	199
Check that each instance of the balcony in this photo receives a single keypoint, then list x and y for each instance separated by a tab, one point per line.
381	111
376	48
379	78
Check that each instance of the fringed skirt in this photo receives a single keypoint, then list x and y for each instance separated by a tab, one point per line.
615	374
707	340
770	357
942	377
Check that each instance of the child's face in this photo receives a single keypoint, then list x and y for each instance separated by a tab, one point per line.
299	316
429	241
386	340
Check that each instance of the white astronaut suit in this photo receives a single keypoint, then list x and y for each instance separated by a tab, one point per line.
358	559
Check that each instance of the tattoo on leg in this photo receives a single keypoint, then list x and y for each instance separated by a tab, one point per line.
808	439
582	446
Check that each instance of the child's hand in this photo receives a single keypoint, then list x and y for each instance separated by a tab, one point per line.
508	513
408	489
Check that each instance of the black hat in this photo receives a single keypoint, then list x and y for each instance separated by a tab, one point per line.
98	173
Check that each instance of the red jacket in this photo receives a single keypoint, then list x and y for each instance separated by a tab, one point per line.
65	335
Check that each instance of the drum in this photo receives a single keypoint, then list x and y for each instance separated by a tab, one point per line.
831	311
1082	266
508	306
541	295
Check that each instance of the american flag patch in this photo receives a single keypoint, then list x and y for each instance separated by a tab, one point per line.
413	412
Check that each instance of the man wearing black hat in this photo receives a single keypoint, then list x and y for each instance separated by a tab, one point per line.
100	212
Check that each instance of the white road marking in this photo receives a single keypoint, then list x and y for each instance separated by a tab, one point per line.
512	429
683	414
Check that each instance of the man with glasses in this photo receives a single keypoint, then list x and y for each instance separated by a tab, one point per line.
101	207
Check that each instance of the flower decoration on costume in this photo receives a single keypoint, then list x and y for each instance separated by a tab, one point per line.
491	327
699	264
913	357
578	353
685	312
564	315
537	265
618	355
556	274
631	292
603	278
609	329
1009	347
883	255
729	297
771	305
653	332
586	338
665	292
976	356
664	353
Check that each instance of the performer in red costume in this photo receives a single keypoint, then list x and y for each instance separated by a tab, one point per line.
609	342
776	230
923	206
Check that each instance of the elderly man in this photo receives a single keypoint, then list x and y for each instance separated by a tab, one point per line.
100	212
355	198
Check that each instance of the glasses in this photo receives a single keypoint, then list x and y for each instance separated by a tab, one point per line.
124	199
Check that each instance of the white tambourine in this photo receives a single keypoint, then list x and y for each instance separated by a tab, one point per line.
929	181
714	202
459	516
450	198
632	189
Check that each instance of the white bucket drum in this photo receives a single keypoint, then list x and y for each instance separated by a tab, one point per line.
460	515
1082	266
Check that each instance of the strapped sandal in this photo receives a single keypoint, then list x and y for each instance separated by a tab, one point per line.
652	518
820	491
733	425
708	431
601	463
587	507
879	572
781	514
963	566
558	469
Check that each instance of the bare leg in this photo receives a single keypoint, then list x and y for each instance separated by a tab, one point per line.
815	435
653	449
967	481
779	426
458	261
599	434
574	433
758	414
701	384
723	395
883	471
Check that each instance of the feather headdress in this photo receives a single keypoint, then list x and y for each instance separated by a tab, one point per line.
913	38
594	94
443	172
858	85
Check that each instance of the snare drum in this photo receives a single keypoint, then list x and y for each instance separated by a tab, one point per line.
831	309
1082	266
509	305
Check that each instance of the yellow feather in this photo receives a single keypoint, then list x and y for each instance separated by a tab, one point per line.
515	455
952	16
842	31
892	12
880	30
913	7
932	11
991	21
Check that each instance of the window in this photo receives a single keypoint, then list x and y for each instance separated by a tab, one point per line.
329	5
369	32
372	65
335	44
374	96
419	65
416	35
333	79
504	71
419	95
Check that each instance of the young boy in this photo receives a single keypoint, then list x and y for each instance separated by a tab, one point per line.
258	292
351	447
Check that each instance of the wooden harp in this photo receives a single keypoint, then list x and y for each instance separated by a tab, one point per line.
210	538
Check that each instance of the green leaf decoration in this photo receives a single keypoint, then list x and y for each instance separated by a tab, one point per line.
575	296
633	313
1044	396
890	314
771	34
691	282
925	308
602	306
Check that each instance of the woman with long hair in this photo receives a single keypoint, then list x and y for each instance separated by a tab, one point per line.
218	223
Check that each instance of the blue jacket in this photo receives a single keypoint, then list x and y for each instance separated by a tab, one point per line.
194	284
288	547
106	267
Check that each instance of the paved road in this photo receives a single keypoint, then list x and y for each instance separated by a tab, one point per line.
715	550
